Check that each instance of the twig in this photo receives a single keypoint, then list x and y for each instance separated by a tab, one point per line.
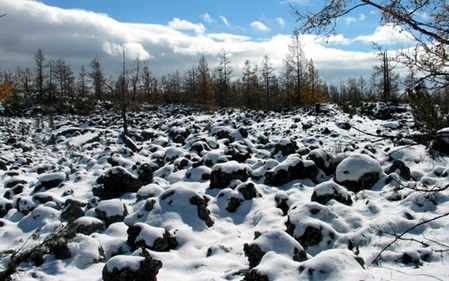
439	189
408	239
379	255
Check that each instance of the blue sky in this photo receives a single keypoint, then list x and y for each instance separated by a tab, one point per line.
239	15
171	35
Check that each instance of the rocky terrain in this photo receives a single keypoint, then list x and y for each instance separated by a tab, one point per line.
230	195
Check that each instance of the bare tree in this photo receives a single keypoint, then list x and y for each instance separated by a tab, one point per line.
204	84
82	85
97	77
267	76
429	57
124	102
224	71
389	80
296	59
39	60
135	79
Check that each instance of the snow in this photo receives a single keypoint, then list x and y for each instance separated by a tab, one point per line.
58	176
355	166
83	139
121	262
216	252
229	167
112	207
149	233
277	241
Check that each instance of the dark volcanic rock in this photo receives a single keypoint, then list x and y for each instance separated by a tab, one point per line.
223	174
116	182
400	168
154	238
133	268
292	168
327	191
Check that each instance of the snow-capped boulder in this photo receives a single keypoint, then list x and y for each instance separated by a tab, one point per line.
285	147
50	180
88	225
223	174
400	168
111	211
330	190
5	206
282	202
73	209
178	134
441	143
238	151
190	205
358	172
25	204
277	241
14	181
133	268
149	191
229	199
292	168
333	264
323	160
248	190
116	182
145	173
312	225
201	173
273	267
153	238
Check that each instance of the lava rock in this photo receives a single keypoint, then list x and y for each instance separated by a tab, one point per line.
400	168
133	268
358	172
154	238
116	182
73	209
223	174
277	241
327	191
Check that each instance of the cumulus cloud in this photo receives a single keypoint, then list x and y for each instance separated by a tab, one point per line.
79	35
180	24
388	34
259	26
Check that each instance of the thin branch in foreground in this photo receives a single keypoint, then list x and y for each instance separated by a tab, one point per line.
400	236
433	190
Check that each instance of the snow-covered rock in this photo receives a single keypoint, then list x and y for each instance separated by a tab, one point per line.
277	241
153	238
358	172
134	268
223	174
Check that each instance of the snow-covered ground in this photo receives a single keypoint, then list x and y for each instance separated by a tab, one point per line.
231	195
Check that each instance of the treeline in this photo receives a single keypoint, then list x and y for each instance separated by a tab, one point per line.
52	85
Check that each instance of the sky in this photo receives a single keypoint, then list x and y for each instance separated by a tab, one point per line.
170	35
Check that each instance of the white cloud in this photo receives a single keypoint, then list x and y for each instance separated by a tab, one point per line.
281	22
259	26
353	19
180	24
388	34
207	18
78	36
225	21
